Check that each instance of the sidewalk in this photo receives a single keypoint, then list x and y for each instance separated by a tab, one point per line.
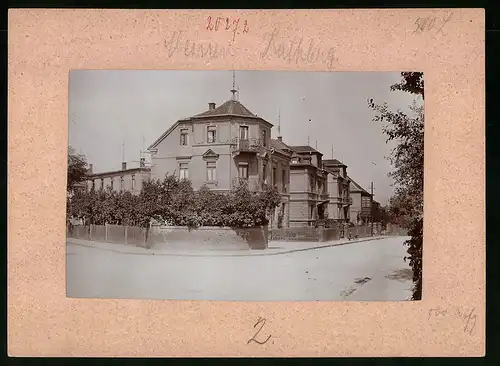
275	248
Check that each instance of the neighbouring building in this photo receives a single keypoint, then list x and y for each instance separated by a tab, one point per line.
338	189
120	180
222	147
308	186
361	204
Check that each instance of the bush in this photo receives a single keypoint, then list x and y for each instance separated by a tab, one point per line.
174	202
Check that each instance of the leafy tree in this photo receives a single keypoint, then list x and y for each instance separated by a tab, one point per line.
174	202
77	168
406	206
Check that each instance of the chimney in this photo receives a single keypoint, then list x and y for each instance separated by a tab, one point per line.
89	170
211	106
124	165
142	163
280	139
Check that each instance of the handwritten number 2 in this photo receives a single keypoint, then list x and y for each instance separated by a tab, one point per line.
209	25
263	322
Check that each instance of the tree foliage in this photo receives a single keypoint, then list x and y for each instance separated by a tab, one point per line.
174	202
380	214
407	130
77	168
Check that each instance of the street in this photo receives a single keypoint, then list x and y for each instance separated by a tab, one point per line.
369	270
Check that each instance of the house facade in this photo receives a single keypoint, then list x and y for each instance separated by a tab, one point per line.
340	200
222	148
360	210
125	179
308	186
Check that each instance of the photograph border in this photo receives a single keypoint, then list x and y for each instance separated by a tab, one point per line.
381	40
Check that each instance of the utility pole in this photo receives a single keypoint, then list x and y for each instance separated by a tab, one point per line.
371	207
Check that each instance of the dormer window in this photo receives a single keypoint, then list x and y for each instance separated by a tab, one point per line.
295	160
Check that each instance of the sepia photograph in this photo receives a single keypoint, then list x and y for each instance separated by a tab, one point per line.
241	185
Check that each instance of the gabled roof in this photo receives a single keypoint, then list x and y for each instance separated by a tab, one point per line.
305	149
229	108
355	187
333	162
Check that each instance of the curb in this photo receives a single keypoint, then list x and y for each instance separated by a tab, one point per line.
151	252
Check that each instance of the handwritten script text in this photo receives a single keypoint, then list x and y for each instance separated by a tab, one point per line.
261	321
468	316
226	24
208	50
296	50
429	23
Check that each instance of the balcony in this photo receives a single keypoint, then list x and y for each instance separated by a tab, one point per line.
246	145
253	184
324	195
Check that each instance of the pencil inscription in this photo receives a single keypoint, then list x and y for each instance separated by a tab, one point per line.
427	24
227	24
261	321
196	49
468	316
295	50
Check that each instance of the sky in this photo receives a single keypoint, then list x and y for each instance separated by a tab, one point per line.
115	113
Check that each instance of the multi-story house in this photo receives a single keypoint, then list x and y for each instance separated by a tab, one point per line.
221	148
361	204
338	190
120	180
308	186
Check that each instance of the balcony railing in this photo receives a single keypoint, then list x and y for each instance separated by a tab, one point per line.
253	184
347	200
246	145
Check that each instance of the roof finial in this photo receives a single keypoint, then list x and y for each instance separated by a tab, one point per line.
279	123
332	151
308	133
234	91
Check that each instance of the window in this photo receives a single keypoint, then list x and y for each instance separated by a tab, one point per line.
312	211
211	171
211	134
311	183
264	173
283	180
274	177
102	183
133	182
295	160
93	184
243	171
111	184
264	138
243	132
121	183
184	136
183	171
